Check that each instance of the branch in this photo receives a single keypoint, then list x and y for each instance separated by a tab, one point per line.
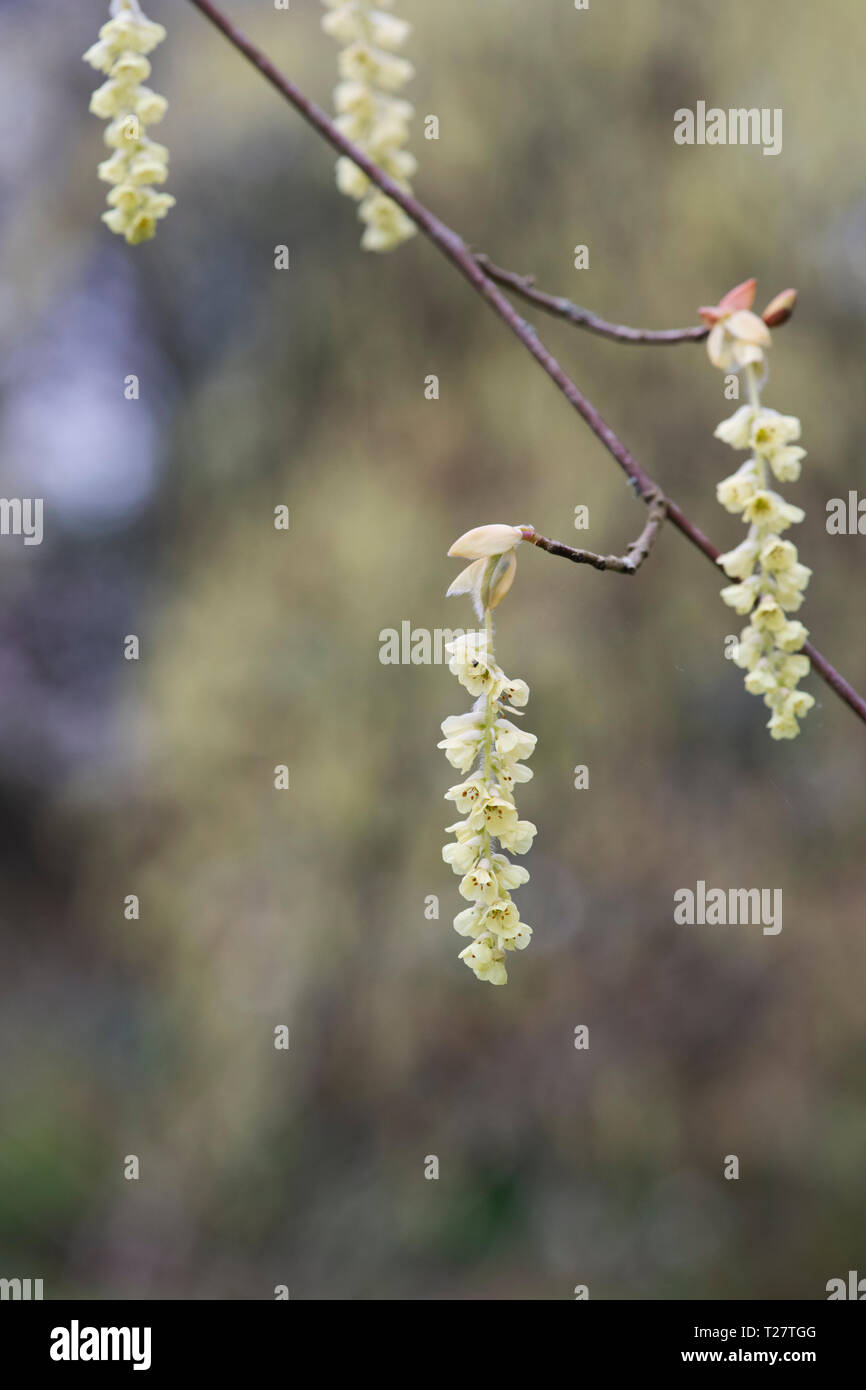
629	563
524	285
454	248
560	307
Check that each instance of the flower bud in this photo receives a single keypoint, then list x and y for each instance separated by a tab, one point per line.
780	309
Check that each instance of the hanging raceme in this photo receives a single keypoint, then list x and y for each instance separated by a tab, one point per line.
488	749
371	115
130	107
769	579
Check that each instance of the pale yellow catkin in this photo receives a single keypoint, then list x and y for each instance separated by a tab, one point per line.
137	163
371	114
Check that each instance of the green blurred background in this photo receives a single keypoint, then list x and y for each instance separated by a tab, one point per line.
306	908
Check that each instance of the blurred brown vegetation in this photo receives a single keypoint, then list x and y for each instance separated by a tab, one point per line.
257	648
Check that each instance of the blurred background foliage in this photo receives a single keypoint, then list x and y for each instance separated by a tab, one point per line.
306	907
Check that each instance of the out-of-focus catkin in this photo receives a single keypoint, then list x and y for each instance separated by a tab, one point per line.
136	162
371	114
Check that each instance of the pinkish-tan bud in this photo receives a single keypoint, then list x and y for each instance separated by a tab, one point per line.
780	309
740	297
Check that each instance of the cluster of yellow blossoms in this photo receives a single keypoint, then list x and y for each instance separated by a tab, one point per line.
490	748
371	115
137	162
769	577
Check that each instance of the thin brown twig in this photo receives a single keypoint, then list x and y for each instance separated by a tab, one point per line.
452	246
629	563
563	308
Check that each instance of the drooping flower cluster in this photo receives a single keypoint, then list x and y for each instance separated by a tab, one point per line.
769	579
137	162
489	749
370	114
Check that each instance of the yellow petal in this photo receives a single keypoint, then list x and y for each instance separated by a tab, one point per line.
717	346
468	579
749	328
746	354
486	540
503	577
